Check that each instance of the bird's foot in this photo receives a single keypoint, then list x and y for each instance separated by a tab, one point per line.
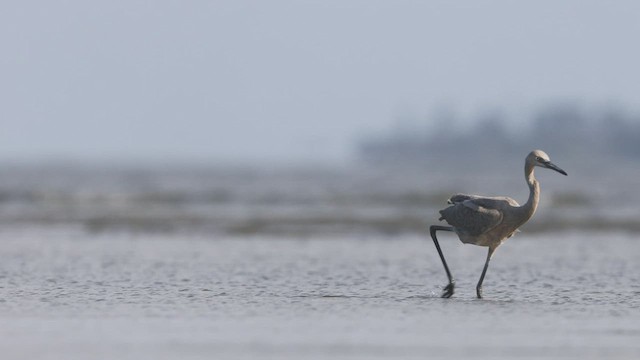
479	292
448	290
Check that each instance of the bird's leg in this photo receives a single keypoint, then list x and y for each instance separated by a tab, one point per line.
448	290
484	271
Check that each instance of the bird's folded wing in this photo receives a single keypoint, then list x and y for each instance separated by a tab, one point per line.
458	198
471	217
486	201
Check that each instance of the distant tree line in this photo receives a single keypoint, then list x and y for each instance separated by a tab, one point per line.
563	130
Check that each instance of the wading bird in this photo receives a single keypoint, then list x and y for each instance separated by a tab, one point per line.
489	221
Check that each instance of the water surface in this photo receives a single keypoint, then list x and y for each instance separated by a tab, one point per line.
68	293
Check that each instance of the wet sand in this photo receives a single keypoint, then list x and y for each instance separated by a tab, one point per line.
67	293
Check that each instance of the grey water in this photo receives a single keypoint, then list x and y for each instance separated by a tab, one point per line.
175	264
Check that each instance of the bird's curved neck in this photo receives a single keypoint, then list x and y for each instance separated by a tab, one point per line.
529	208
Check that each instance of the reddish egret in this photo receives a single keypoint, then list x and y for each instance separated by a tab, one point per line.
489	221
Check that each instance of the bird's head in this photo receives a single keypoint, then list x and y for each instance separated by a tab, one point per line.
540	158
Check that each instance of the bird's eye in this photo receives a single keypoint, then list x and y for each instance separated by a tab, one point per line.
539	158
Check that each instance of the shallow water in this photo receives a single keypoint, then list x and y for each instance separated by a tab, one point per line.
300	202
68	293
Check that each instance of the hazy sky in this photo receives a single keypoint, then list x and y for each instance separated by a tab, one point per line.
289	80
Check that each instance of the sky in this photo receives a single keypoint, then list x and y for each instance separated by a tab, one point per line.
289	81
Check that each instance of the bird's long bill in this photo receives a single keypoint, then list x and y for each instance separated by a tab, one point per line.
553	166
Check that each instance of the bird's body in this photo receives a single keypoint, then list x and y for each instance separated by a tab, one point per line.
489	221
480	220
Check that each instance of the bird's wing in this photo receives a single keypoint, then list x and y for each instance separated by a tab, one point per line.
474	215
458	198
486	201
